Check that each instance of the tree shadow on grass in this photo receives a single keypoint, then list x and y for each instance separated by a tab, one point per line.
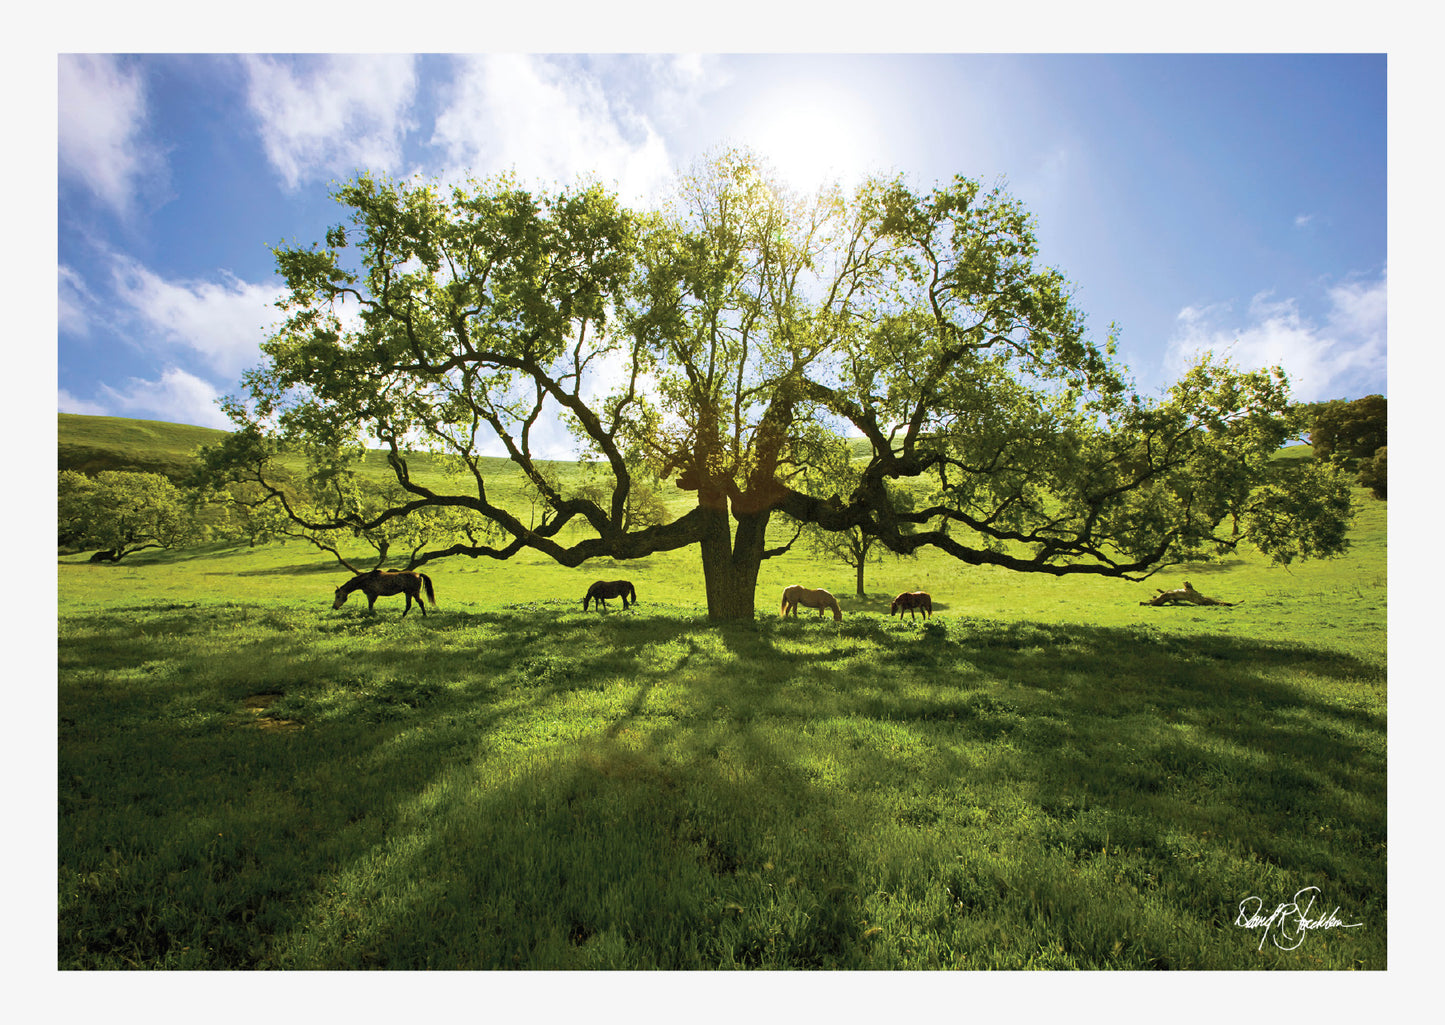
1203	569
686	813
297	569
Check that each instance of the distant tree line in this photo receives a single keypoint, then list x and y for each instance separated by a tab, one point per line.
120	512
117	512
1353	434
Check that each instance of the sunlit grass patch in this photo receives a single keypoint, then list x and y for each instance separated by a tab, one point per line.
1045	775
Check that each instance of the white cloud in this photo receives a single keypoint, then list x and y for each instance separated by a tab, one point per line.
74	301
1361	310
1343	356
70	404
101	116
223	321
551	122
177	397
331	115
665	89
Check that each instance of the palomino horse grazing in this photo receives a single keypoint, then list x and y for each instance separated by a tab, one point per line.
383	582
911	600
809	599
604	589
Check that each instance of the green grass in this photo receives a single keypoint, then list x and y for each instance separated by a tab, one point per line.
1046	775
95	443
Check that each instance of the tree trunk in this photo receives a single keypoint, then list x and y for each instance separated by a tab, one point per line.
860	579
730	566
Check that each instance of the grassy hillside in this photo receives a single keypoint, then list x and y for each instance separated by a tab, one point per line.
1046	775
94	443
91	444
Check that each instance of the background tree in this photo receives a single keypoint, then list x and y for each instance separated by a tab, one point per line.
1349	430
74	496
332	507
1353	434
242	514
645	505
536	495
120	512
1373	473
834	472
727	339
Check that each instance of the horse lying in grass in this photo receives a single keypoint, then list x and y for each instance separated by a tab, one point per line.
605	589
379	583
912	600
810	599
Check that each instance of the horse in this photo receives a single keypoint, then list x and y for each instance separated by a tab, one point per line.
810	599
604	589
378	583
911	600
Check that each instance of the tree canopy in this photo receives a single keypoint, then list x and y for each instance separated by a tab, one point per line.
835	471
1345	430
724	343
120	512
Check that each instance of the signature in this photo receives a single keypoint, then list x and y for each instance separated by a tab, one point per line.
1290	922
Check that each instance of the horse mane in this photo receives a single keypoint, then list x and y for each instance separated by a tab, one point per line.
796	594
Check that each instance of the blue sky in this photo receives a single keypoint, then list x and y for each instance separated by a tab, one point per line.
1232	202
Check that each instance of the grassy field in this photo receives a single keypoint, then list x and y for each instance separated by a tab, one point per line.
1046	775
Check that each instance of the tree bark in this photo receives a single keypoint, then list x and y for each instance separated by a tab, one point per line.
730	564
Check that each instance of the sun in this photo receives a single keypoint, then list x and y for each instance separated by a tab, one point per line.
813	138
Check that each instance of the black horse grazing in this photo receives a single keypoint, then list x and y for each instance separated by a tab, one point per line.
379	583
610	589
911	600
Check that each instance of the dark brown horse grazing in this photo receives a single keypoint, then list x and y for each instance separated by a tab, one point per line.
379	583
604	589
911	600
810	599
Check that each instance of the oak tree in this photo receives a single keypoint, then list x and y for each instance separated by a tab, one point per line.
330	507
723	342
1349	430
120	512
836	471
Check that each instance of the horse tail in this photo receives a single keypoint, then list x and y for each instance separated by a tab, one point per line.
430	594
631	588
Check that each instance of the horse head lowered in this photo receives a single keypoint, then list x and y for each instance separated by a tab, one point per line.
809	598
379	583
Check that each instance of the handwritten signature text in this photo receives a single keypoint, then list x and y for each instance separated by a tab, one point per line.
1288	924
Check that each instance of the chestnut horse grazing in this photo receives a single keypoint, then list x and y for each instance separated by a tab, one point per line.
911	600
809	599
379	583
604	589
